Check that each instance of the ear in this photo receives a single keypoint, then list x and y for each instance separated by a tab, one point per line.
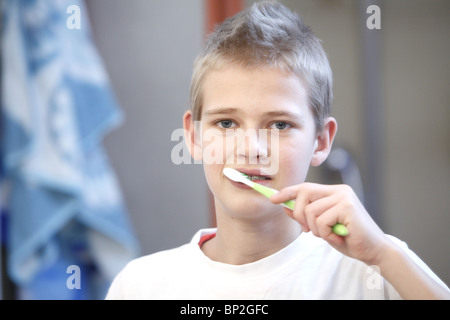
192	136
324	141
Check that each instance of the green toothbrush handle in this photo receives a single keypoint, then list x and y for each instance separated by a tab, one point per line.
338	228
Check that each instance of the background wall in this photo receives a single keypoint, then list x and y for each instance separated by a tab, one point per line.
149	46
417	81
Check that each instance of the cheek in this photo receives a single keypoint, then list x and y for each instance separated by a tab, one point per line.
213	175
213	147
294	161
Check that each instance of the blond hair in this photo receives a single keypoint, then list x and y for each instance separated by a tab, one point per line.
267	35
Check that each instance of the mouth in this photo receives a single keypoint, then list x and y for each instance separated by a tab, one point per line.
257	178
254	175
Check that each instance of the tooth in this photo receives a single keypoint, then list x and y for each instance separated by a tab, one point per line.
253	178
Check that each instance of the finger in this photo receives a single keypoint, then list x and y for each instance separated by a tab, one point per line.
289	212
285	194
303	194
325	225
311	191
297	218
299	210
315	209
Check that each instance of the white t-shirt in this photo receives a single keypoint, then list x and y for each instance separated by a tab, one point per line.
308	268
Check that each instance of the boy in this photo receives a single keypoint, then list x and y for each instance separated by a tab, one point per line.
263	72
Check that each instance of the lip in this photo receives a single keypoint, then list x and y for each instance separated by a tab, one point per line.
255	172
252	172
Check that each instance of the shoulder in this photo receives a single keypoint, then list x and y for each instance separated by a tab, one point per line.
160	274
148	273
158	259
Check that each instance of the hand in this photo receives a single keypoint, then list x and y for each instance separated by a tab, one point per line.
319	207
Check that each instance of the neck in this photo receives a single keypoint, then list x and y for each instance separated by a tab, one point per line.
240	241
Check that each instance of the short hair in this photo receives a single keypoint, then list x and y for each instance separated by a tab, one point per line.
267	35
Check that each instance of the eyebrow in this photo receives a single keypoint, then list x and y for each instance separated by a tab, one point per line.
270	114
282	114
225	110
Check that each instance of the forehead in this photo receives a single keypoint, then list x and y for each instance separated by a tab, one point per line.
253	91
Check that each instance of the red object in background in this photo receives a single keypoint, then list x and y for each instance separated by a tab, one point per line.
216	12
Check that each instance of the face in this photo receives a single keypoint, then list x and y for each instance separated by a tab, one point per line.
259	123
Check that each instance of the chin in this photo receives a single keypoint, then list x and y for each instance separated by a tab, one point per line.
249	208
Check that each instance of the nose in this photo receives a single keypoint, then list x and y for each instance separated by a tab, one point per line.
251	146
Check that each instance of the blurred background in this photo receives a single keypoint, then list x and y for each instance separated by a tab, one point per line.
391	101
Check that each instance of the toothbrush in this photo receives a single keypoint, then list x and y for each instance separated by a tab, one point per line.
237	176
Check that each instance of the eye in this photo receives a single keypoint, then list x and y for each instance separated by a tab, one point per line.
280	125
226	124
